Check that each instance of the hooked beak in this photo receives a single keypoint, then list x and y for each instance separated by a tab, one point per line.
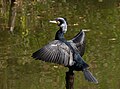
53	22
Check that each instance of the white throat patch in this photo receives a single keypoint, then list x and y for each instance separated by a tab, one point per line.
64	27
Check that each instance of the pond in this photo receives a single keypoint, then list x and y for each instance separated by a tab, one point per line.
98	18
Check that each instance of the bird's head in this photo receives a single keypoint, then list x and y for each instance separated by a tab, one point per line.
61	22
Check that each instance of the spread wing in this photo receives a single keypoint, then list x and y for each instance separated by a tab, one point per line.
79	41
56	52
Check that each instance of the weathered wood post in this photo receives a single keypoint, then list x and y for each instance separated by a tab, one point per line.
69	80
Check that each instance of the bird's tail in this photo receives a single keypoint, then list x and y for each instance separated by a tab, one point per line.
88	76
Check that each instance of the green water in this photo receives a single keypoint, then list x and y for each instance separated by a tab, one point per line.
100	19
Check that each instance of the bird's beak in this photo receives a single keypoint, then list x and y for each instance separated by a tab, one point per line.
53	22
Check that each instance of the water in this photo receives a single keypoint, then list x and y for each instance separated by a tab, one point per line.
100	20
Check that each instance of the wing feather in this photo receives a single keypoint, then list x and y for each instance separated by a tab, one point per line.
56	52
79	42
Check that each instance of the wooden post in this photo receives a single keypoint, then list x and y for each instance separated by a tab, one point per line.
69	80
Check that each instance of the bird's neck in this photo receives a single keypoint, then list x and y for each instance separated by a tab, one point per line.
60	35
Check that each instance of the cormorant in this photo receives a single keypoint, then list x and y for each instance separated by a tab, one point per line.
67	53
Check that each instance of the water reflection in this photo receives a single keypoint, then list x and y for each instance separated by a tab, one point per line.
101	22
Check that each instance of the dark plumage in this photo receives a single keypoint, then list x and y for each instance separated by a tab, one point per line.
67	53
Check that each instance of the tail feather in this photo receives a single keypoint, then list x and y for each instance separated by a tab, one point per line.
88	76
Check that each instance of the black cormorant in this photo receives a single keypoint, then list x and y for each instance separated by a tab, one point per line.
67	53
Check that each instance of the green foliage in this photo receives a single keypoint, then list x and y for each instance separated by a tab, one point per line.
100	18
